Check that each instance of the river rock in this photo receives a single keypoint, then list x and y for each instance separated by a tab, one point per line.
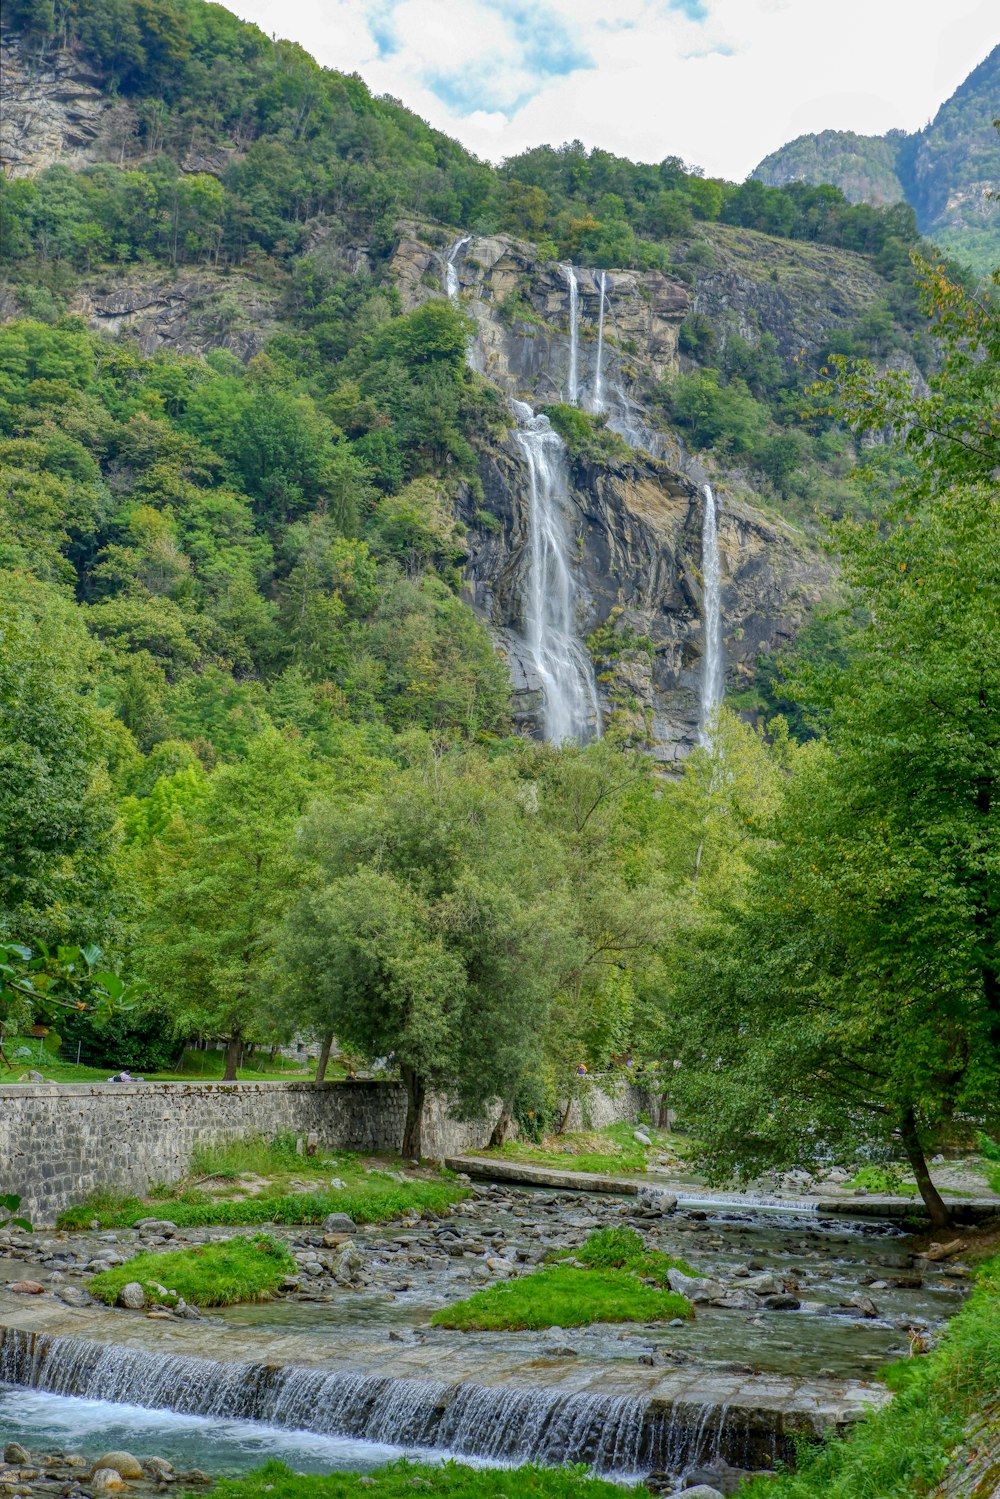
694	1288
781	1303
132	1296
13	1452
74	1296
157	1467
700	1491
123	1463
640	1137
338	1223
106	1481
26	1287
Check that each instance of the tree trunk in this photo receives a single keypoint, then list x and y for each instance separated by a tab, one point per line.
415	1093
323	1059
232	1057
933	1201
502	1127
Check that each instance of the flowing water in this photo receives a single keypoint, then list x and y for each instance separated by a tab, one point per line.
573	390
713	671
598	393
561	660
451	282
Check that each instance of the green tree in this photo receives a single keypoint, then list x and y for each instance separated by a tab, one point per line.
435	929
222	878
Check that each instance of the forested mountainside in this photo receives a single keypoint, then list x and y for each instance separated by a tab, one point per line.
286	380
948	172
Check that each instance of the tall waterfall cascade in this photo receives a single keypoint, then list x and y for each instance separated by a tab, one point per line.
597	396
560	659
451	285
573	390
713	672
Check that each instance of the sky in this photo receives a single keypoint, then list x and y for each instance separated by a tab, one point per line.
720	83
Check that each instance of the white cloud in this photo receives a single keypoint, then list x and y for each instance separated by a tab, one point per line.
652	80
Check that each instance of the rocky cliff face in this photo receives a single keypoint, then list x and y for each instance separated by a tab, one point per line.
637	527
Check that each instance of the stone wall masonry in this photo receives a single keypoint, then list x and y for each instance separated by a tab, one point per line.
61	1141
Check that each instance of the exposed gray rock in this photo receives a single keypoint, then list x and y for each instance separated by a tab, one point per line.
132	1296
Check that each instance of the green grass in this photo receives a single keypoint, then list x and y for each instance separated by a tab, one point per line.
625	1249
611	1151
562	1296
204	1275
886	1181
277	1158
403	1480
901	1452
374	1199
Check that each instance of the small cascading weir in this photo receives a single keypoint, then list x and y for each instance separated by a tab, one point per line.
451	284
561	660
713	678
573	390
597	396
621	1434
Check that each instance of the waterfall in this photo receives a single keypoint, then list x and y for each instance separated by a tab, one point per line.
713	677
571	709
621	1434
598	395
574	379
451	285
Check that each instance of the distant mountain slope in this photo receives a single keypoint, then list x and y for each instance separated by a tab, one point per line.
945	171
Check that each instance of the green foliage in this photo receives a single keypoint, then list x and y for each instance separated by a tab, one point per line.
219	1274
449	1480
9	1204
625	1249
903	1449
562	1296
588	439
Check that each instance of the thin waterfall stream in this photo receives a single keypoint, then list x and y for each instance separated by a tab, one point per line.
451	282
713	671
573	388
571	710
597	399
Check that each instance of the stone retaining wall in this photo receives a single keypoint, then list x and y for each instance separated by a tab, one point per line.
61	1141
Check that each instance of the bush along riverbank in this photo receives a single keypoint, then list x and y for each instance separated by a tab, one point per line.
938	1427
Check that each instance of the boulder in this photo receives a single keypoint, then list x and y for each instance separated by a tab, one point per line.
26	1287
132	1296
694	1288
106	1481
13	1452
781	1303
338	1223
157	1467
640	1137
74	1296
123	1463
700	1491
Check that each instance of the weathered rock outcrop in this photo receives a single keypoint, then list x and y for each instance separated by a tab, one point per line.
51	109
188	313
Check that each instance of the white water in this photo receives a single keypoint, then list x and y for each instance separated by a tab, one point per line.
598	394
571	710
451	284
573	393
254	1404
713	674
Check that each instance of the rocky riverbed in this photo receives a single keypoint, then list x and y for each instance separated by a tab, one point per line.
793	1313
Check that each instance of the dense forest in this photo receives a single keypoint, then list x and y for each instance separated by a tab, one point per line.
258	758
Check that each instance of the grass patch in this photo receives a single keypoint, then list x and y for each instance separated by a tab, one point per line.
563	1296
402	1480
902	1451
207	1066
204	1275
625	1249
610	1152
377	1199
